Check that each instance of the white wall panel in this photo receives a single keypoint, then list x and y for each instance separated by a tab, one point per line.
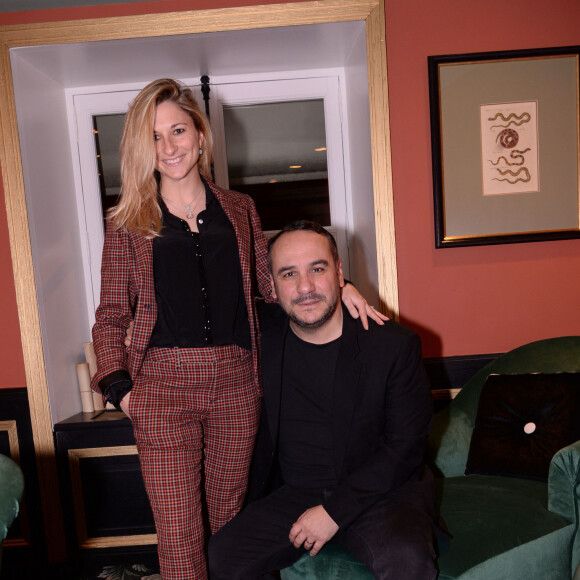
54	231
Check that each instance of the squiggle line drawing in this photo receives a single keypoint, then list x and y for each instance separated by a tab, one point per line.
515	154
523	118
514	174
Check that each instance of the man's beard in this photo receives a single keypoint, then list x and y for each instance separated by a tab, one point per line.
324	318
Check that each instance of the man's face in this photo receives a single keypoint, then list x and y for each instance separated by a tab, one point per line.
305	280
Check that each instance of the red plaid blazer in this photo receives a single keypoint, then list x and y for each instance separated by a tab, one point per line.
128	290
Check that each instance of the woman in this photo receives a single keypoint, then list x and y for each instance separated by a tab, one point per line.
182	259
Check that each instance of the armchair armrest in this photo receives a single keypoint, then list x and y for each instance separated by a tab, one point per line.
11	487
564	491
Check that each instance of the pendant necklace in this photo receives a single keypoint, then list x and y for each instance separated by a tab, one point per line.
190	212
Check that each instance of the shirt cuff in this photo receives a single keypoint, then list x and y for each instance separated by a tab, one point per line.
116	391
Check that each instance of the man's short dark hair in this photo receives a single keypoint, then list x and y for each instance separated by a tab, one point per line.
303	226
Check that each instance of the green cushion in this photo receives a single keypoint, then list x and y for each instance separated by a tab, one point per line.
494	515
11	487
331	563
448	445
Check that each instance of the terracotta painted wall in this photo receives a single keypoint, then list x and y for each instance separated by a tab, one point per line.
478	299
11	360
461	300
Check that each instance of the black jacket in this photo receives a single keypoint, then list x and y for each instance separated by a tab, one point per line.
382	413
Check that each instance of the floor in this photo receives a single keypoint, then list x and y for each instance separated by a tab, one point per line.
117	569
100	568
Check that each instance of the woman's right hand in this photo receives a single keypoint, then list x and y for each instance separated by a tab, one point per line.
129	335
125	404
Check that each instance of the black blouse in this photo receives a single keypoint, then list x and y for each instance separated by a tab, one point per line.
198	282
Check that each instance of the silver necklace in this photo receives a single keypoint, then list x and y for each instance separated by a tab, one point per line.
190	212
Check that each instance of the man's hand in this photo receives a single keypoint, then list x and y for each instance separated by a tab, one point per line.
313	529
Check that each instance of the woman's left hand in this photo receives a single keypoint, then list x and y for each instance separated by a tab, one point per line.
359	307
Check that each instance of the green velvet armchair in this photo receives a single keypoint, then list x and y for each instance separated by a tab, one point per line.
504	527
11	488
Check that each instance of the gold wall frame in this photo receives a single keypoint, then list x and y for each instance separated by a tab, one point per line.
524	187
11	431
84	541
371	12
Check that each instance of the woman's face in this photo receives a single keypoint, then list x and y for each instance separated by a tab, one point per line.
177	143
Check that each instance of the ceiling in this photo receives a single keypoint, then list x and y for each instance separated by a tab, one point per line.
139	60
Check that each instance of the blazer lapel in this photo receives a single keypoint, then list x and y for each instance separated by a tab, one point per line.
143	248
273	339
146	304
346	377
239	219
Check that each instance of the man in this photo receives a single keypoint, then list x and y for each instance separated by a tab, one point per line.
345	419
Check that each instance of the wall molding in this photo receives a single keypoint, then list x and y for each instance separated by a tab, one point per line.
85	541
447	375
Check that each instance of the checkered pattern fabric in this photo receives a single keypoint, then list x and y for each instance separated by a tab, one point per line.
195	414
201	412
128	289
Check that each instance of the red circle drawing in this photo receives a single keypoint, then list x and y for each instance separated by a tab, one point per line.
508	138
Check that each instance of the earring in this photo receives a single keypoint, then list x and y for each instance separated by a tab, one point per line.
200	151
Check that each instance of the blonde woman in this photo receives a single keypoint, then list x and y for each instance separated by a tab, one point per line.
182	260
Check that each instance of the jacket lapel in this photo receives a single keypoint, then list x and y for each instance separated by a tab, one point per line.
143	248
346	382
146	303
239	219
273	340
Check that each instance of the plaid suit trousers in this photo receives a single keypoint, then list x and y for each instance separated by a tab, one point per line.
195	414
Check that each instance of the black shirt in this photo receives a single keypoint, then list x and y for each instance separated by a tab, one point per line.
198	282
306	439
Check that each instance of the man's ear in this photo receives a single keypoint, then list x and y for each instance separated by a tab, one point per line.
340	275
273	288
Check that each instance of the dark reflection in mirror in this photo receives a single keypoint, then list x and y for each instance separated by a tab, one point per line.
108	130
276	153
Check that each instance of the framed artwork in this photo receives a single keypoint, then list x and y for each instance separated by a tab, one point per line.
505	146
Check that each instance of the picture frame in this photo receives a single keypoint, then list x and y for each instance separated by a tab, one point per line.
505	146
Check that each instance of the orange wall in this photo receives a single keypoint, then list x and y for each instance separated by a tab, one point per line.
478	299
11	360
461	300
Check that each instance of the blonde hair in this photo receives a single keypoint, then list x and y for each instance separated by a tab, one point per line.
138	208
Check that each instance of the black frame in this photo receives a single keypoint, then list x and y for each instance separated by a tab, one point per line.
434	63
